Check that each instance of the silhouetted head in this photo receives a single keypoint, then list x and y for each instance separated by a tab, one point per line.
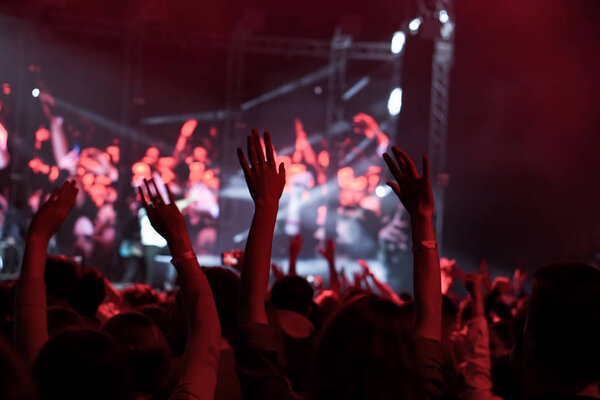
90	292
15	381
292	293
561	338
139	294
60	318
81	364
367	351
225	286
146	349
61	279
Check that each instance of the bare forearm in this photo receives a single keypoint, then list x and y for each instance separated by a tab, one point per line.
427	281
204	331
257	261
31	331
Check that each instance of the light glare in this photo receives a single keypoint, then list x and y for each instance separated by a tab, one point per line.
395	102
415	24
444	17
35	92
398	41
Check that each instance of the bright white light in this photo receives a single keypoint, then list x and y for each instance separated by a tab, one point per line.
444	17
382	191
398	41
395	102
414	25
35	92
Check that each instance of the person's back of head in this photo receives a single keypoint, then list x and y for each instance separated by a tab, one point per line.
15	381
81	364
225	286
139	294
367	351
146	349
561	342
292	293
90	292
60	318
60	276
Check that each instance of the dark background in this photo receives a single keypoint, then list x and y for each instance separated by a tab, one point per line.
525	93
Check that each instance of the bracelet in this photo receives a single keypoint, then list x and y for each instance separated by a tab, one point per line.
424	245
188	255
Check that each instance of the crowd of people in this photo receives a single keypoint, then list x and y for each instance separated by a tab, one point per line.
67	333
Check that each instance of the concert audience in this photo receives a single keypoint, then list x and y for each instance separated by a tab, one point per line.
223	335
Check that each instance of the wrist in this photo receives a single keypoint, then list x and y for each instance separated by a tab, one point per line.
266	204
180	246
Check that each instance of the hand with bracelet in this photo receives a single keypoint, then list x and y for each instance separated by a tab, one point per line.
199	376
415	193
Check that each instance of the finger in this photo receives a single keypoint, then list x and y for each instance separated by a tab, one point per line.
151	197
171	197
269	149
393	167
400	161
282	171
54	195
395	188
159	198
251	151
410	166
425	167
243	161
260	156
143	198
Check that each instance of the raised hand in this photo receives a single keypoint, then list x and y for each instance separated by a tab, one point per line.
53	212
265	181
329	251
165	218
474	284
277	272
413	190
295	246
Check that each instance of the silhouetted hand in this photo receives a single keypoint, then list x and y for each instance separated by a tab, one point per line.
484	271
329	251
53	212
295	246
264	180
413	190
165	218
474	284
277	272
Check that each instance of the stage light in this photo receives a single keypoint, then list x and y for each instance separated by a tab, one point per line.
398	41
318	90
395	102
382	191
35	92
443	16
414	25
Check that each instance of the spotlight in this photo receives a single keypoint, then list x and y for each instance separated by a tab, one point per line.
382	191
395	102
443	16
398	41
318	89
414	25
35	92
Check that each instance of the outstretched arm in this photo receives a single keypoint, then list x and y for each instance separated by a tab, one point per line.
199	377
415	193
329	253
265	182
295	247
31	330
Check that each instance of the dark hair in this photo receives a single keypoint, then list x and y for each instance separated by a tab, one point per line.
139	294
225	287
292	293
61	318
61	280
366	351
146	349
15	382
90	292
563	328
81	364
